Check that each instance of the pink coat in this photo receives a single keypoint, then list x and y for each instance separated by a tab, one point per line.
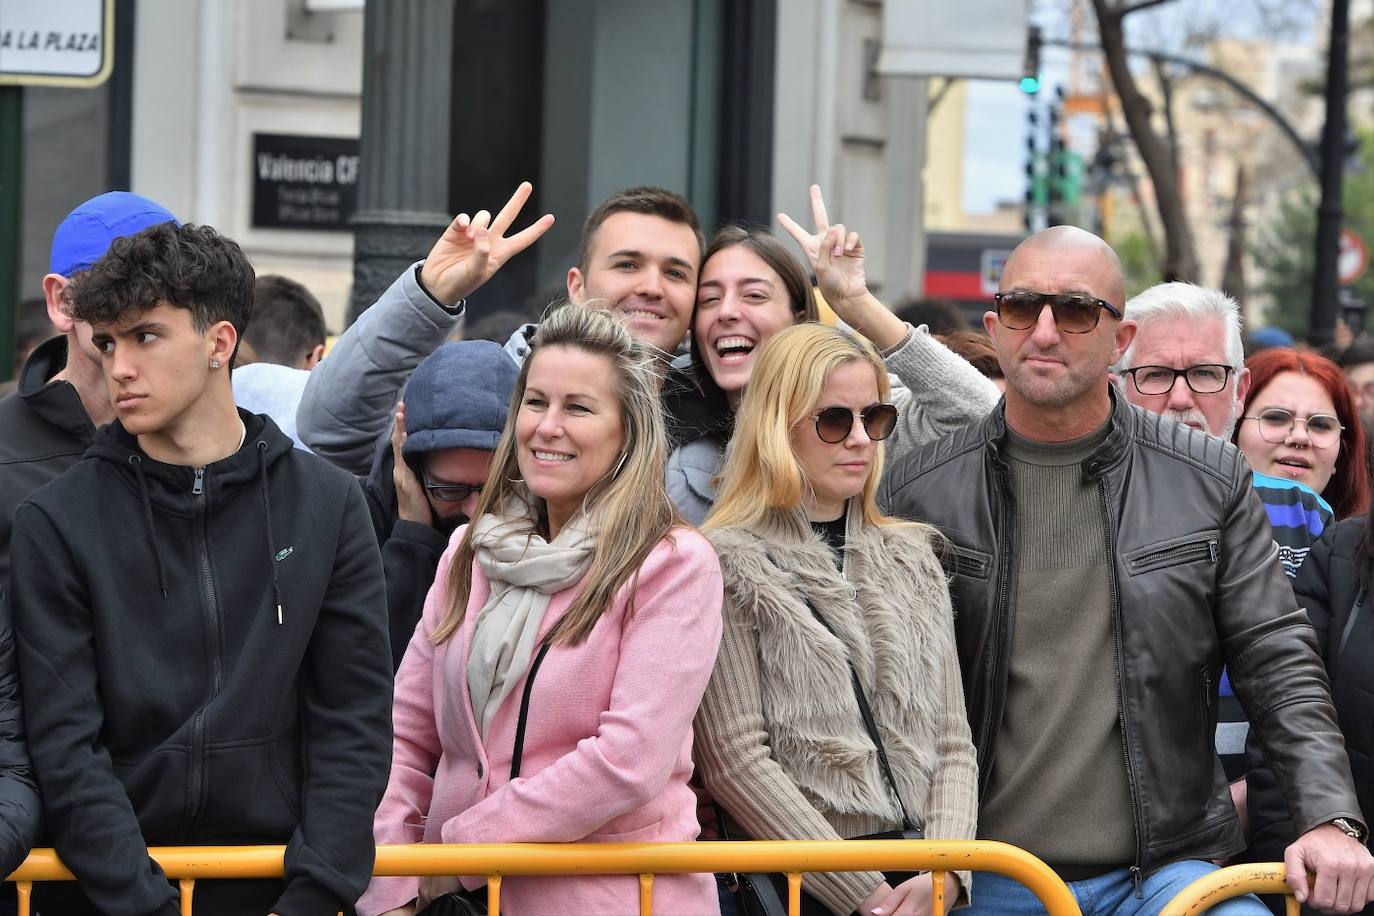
608	744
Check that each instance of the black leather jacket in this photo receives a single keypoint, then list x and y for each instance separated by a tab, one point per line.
1328	586
1195	581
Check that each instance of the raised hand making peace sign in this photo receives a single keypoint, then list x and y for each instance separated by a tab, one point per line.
472	249
837	259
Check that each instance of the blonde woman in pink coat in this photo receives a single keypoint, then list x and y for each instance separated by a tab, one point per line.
577	585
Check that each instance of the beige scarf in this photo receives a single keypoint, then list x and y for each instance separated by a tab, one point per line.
524	571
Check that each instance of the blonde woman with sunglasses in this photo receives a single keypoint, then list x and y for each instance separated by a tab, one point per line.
835	617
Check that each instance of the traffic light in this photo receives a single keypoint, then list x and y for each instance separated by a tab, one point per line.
1030	67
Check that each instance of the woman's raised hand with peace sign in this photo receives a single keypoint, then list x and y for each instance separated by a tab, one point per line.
836	257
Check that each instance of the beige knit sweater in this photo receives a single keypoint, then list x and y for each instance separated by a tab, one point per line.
780	742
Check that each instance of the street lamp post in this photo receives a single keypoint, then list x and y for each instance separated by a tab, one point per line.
1325	282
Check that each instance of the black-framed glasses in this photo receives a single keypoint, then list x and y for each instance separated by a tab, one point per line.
834	424
1074	313
1204	378
450	492
1276	425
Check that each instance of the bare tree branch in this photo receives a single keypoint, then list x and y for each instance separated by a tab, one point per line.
1123	11
1180	259
1166	91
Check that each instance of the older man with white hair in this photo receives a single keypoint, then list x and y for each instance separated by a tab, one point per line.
1186	361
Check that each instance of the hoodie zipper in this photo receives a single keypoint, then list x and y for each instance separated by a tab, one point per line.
212	628
1137	873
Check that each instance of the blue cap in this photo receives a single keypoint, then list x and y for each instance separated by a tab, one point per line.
85	235
458	397
1271	337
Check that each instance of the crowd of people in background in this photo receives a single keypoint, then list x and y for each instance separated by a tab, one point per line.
721	546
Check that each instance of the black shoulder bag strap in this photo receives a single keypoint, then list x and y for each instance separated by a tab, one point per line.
525	711
870	724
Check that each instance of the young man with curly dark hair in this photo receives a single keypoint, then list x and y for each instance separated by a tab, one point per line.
199	614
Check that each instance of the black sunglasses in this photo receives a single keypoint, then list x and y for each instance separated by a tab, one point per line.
833	424
1074	313
451	492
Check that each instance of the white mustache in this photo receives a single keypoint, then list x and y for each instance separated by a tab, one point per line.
1193	416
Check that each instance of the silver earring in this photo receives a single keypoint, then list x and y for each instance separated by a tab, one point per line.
214	364
620	464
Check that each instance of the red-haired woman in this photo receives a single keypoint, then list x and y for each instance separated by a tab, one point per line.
1299	423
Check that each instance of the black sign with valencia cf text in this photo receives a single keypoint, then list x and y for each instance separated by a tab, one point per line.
304	182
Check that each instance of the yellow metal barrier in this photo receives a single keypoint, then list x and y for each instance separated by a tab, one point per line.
188	863
1226	883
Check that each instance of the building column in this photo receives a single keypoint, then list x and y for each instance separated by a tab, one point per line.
908	100
403	187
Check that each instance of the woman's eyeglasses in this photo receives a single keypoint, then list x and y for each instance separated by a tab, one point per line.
1276	425
833	424
1074	313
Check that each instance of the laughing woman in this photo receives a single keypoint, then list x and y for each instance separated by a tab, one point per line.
548	693
824	598
751	287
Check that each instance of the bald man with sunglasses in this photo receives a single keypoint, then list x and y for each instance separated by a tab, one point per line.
1105	563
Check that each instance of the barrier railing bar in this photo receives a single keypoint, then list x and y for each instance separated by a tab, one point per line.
937	893
499	860
646	894
188	890
493	893
1224	884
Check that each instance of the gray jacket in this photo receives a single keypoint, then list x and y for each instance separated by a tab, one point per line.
936	392
349	396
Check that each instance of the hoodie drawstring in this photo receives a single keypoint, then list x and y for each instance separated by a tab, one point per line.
271	544
148	518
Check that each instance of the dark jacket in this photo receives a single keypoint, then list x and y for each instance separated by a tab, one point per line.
206	663
1327	585
21	810
44	430
1195	583
410	552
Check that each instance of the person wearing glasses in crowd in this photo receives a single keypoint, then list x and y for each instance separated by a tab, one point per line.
1333	586
1062	547
426	479
549	691
751	288
1187	363
1300	423
822	593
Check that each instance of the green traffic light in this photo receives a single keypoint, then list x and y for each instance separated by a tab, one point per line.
1030	85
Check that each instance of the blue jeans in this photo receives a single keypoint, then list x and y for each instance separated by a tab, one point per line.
1111	894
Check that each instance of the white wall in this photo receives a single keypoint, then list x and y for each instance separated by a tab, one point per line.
867	154
211	73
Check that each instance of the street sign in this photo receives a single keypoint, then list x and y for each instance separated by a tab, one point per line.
304	182
1353	259
56	42
977	39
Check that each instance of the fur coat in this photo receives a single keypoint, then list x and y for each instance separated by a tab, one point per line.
781	743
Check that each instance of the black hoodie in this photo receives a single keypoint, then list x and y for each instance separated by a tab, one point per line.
44	430
204	654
